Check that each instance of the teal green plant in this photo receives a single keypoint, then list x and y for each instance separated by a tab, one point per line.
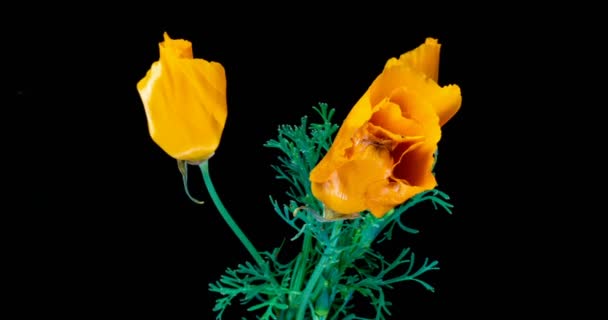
337	261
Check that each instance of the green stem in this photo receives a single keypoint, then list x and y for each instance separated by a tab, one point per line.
297	276
204	166
316	275
300	270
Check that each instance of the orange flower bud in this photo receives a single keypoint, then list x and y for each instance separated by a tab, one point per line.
185	102
383	153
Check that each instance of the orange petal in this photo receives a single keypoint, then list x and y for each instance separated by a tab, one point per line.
382	133
344	191
417	108
424	59
383	196
445	101
414	106
335	157
415	166
389	116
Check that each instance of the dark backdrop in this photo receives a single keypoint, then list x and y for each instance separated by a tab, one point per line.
103	225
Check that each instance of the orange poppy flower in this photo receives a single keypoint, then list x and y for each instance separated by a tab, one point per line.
383	153
185	102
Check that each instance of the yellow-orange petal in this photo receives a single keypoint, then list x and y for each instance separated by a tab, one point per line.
423	59
185	103
445	101
335	157
421	111
390	117
409	117
344	191
414	106
447	104
179	48
383	196
383	133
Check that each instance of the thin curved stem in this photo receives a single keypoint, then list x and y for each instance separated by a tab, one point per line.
204	166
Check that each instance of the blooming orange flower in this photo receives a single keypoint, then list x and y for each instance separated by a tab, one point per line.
185	102
383	152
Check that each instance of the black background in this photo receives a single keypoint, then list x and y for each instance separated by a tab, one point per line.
103	226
